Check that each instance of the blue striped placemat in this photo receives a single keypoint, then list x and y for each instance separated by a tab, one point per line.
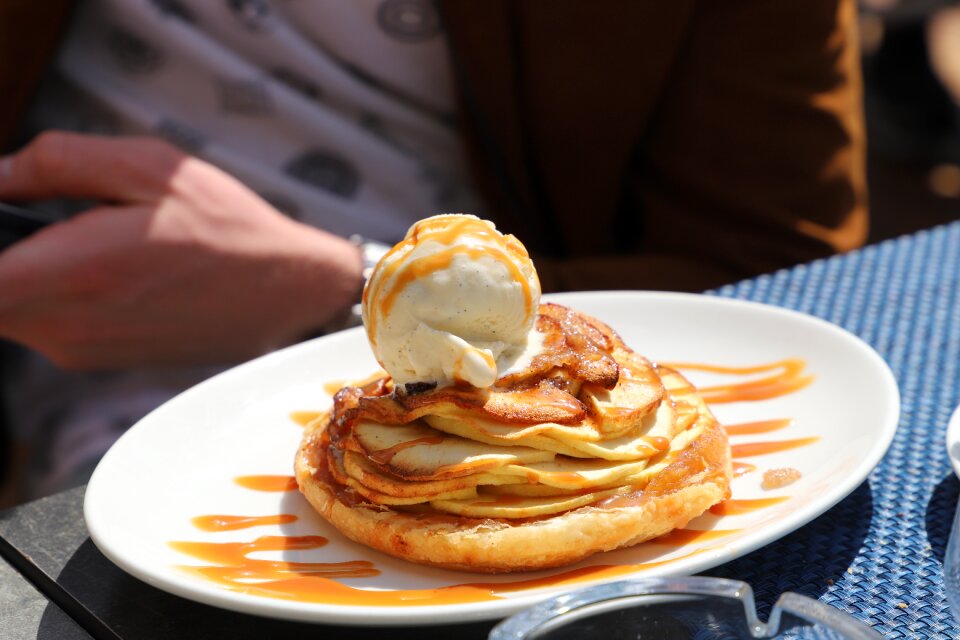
878	554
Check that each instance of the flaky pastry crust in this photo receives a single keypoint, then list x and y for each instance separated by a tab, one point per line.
692	480
499	546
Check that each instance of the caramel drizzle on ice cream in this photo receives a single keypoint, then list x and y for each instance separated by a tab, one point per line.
395	273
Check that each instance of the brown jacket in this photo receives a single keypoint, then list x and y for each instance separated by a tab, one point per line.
670	144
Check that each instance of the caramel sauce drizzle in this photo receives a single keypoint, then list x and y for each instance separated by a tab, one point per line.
422	267
303	418
751	428
232	568
333	386
749	449
233	523
733	507
742	468
658	443
267	483
396	274
681	537
540	396
789	377
464	468
324	589
312	581
384	456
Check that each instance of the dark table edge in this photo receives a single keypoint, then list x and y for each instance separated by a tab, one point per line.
56	594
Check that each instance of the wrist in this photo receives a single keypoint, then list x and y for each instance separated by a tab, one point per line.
369	253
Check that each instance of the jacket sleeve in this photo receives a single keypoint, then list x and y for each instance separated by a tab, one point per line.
29	34
755	157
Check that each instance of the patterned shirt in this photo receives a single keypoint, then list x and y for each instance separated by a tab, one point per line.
337	112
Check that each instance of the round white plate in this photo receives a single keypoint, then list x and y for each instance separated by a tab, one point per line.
180	461
953	440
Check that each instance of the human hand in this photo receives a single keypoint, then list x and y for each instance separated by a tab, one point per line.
185	265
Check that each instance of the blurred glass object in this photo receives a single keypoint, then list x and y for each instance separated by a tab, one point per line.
694	608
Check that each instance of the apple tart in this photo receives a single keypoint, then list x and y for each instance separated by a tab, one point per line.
590	447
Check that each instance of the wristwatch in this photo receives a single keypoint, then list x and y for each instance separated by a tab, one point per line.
371	251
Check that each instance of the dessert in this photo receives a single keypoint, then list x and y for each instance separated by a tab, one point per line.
455	301
507	435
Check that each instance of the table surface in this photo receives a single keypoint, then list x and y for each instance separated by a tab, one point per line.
26	613
877	555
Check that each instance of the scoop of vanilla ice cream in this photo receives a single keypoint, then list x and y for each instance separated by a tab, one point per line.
454	302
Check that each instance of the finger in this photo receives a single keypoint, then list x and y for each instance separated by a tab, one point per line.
63	256
62	164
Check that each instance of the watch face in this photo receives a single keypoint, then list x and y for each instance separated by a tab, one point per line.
372	251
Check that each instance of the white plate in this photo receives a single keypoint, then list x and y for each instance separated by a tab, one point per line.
953	440
180	461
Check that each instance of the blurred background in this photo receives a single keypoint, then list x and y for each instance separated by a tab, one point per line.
911	64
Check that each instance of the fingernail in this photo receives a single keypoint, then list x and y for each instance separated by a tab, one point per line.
6	167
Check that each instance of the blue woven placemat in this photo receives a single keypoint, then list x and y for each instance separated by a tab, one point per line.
878	554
